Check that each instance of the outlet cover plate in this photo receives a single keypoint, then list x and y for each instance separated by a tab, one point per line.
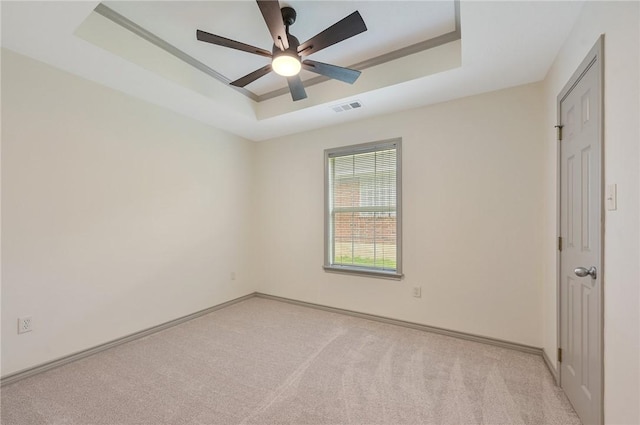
25	324
417	291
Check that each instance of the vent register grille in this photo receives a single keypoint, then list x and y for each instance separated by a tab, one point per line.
347	106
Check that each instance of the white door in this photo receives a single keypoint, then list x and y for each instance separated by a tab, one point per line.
580	111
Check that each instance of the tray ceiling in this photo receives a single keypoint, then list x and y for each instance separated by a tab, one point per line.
406	24
502	44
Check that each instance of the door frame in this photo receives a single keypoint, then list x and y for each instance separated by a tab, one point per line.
596	54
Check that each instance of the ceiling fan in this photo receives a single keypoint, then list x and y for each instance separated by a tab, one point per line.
287	53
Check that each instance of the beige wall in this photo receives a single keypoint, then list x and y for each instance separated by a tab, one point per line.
619	22
472	191
116	215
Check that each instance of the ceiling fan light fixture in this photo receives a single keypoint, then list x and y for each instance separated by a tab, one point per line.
286	64
286	56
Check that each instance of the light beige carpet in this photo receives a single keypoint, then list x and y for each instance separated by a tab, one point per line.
268	362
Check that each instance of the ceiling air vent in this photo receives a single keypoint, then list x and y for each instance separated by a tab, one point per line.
347	106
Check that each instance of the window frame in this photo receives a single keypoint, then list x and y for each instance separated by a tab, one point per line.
328	236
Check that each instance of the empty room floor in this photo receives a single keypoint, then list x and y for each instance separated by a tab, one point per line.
268	362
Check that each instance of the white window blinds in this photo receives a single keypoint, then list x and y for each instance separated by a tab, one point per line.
363	208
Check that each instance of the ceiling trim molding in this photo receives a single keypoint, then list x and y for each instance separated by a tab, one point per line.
117	18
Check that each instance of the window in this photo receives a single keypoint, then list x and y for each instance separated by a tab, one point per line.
362	209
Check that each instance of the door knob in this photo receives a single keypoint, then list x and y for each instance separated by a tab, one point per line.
583	271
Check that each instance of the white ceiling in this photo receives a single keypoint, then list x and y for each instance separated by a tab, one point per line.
503	44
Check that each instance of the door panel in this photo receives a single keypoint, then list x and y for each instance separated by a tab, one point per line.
581	229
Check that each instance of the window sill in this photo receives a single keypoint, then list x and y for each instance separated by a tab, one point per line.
363	272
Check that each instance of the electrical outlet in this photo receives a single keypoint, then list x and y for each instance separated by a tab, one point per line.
233	275
417	291
25	324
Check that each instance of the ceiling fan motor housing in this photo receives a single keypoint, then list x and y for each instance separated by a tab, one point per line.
293	47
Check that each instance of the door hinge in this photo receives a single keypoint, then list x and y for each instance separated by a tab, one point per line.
559	243
560	355
559	130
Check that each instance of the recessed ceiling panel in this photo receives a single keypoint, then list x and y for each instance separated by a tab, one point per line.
392	25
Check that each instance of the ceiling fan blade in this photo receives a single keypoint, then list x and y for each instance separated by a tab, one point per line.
225	42
270	10
341	30
250	78
347	75
296	88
